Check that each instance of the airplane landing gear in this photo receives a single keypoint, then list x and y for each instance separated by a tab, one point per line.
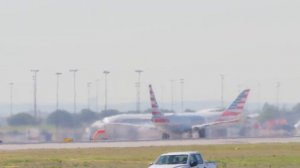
165	136
202	133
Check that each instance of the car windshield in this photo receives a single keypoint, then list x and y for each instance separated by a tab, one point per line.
172	159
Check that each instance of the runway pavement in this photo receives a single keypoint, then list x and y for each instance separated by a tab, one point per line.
116	144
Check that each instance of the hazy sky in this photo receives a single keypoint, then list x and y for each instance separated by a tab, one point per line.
255	44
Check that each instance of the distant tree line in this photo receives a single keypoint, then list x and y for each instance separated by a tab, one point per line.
61	118
270	112
65	119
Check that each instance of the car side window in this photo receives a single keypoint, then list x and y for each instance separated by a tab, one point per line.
161	160
193	158
199	159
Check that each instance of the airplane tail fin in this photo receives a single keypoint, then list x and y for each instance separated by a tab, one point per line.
237	106
157	116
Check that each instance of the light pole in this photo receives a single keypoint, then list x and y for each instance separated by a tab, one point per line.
181	83
259	91
74	86
138	87
105	73
172	95
57	90
97	95
162	97
222	90
11	98
57	103
277	94
34	77
88	94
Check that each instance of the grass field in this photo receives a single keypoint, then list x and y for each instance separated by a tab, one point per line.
227	156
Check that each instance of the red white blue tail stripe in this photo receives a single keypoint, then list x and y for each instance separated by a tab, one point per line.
157	116
238	104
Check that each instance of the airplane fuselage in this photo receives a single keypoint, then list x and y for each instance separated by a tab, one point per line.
179	123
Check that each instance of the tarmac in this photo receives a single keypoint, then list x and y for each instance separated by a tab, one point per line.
121	144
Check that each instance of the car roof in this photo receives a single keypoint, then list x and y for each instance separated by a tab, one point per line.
181	153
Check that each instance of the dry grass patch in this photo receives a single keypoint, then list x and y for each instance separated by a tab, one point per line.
233	156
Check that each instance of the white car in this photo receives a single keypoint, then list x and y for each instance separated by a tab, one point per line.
191	159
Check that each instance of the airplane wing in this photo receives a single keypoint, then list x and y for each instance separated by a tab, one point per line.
197	127
253	115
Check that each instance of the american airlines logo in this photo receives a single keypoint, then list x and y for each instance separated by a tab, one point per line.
239	103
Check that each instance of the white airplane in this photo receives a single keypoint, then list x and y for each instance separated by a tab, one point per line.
158	125
180	123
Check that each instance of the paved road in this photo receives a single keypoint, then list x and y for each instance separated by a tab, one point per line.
104	144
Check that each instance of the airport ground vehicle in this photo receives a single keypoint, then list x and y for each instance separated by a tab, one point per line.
191	159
